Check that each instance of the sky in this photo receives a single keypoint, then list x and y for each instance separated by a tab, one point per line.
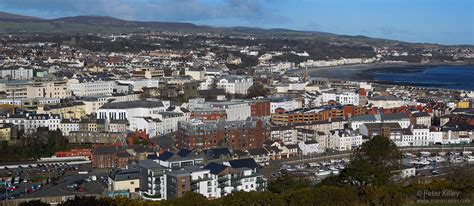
422	21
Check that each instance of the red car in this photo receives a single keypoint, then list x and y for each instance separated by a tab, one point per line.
12	188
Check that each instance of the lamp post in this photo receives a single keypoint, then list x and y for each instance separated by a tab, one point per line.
25	181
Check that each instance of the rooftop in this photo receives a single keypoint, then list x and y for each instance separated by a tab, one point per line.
133	104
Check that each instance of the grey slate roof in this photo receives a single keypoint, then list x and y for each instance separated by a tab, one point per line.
121	175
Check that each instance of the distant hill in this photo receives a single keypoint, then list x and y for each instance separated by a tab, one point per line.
13	23
4	15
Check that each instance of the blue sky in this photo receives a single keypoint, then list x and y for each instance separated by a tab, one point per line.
433	21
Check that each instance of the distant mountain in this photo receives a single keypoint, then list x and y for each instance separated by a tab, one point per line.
4	15
13	23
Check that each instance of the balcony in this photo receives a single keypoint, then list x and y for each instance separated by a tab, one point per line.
223	184
194	187
151	197
235	183
200	179
223	178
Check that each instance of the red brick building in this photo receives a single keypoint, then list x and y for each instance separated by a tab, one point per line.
233	134
210	114
260	108
74	153
108	156
317	114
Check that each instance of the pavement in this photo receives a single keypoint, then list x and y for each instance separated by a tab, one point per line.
58	186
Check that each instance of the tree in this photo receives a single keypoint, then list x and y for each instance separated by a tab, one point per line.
382	195
34	203
188	199
374	163
88	201
286	183
214	84
257	90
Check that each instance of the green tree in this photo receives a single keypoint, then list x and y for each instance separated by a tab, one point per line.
382	195
214	84
34	203
257	90
374	163
87	201
188	199
286	183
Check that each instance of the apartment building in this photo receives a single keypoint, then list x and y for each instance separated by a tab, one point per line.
16	72
87	88
234	134
233	84
57	89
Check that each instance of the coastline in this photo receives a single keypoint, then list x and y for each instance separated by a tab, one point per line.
367	72
374	66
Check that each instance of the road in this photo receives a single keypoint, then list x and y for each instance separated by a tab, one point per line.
60	188
60	180
317	158
276	164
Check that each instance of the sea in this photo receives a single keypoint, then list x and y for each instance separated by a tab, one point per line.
450	77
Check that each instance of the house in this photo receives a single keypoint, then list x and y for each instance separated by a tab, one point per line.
241	163
422	118
407	172
309	147
217	154
109	157
343	140
260	155
183	157
402	118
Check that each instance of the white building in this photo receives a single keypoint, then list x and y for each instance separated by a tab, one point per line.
287	134
170	121
386	101
16	73
69	125
343	140
91	88
126	110
235	84
139	84
402	118
124	180
309	147
31	122
341	98
150	125
235	110
422	118
421	136
48	89
195	74
284	103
